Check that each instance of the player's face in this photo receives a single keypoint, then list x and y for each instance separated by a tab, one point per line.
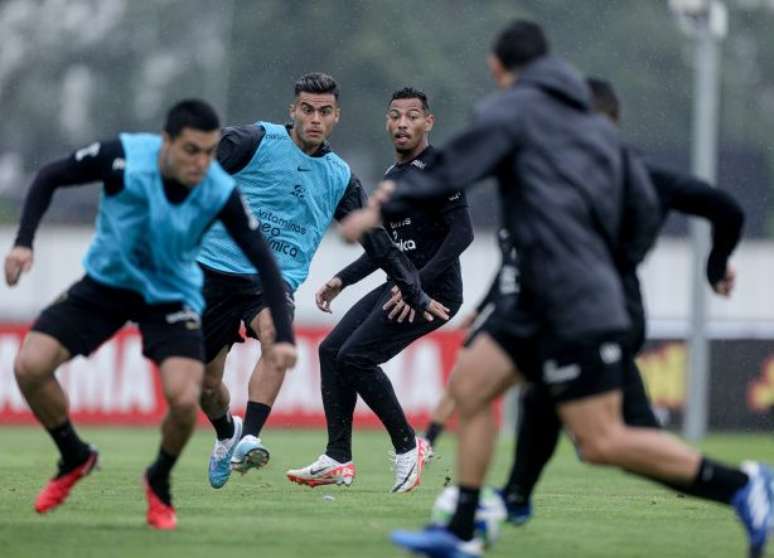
187	157
314	116
408	124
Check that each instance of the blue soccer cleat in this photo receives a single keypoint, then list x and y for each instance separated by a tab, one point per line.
518	514
437	542
249	453
219	469
754	504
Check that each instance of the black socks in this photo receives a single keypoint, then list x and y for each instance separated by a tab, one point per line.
224	426
73	450
462	523
158	475
255	417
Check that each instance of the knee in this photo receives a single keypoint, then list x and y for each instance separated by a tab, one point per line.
328	352
466	398
185	402
211	383
600	448
30	367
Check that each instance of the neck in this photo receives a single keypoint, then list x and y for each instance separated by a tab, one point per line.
403	156
308	148
507	79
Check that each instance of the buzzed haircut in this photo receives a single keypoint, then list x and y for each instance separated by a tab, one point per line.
519	44
603	98
412	93
317	82
191	113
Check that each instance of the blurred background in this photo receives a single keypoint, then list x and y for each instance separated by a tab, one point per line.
74	71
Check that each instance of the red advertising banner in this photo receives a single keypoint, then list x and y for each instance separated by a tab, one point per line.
118	386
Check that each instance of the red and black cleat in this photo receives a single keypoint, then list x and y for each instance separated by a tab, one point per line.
160	515
58	489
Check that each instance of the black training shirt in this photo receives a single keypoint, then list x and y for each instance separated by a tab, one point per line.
432	234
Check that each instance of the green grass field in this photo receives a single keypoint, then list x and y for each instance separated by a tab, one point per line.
580	511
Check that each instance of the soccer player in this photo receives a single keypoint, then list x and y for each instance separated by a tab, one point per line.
539	426
296	185
160	195
433	236
562	175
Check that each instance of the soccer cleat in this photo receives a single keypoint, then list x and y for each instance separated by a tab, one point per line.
518	514
437	542
160	515
220	459
409	466
325	470
249	453
754	504
58	489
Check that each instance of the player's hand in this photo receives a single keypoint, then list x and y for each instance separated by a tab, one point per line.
283	355
18	261
468	321
397	309
359	222
383	193
436	309
722	287
325	295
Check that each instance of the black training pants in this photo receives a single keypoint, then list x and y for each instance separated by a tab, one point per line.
349	365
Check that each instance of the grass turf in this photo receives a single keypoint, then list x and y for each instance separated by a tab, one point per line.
580	511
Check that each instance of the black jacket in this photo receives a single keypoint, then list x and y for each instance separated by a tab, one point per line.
561	175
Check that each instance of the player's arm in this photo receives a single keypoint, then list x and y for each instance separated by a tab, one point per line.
98	162
354	272
693	196
469	157
456	217
357	270
243	228
383	252
238	146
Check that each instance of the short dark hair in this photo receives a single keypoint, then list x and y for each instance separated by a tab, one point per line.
519	44
412	93
317	82
603	98
191	113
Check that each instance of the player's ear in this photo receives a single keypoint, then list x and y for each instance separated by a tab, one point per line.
429	122
338	115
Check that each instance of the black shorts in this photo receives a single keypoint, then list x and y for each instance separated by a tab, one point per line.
577	369
89	313
515	337
231	300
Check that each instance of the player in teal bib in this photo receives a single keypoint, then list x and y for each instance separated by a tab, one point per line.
296	186
160	195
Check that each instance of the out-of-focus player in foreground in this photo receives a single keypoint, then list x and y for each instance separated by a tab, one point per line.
160	195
